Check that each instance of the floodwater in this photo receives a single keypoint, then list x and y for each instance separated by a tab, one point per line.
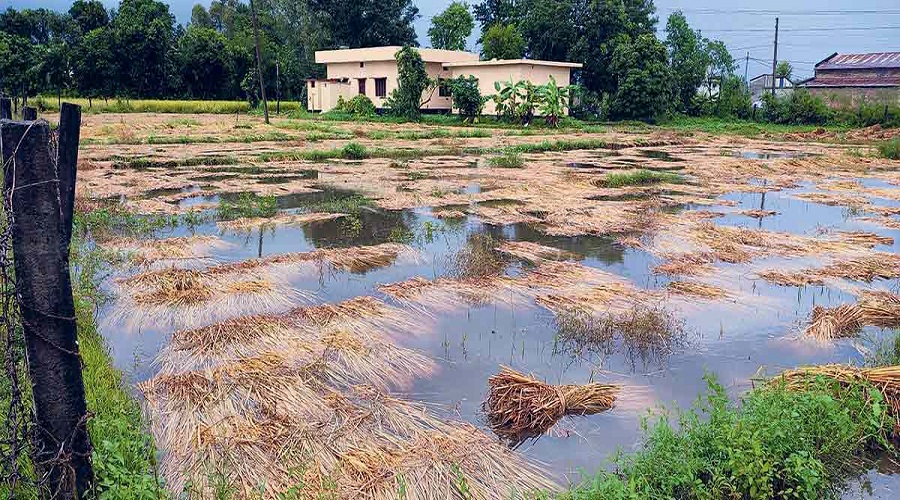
734	340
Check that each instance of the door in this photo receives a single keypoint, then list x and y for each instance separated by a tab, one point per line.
362	86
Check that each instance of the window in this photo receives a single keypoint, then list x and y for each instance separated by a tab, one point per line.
380	87
312	83
443	88
362	65
362	86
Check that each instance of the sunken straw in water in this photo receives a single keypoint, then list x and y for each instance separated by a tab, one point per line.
520	407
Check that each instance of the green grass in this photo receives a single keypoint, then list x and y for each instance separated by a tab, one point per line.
890	149
146	163
641	177
776	444
746	128
272	136
49	104
509	159
354	151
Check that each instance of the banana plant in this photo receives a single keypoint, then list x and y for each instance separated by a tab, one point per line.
554	101
527	100
505	99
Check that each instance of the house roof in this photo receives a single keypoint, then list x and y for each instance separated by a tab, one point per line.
873	60
862	81
508	62
387	53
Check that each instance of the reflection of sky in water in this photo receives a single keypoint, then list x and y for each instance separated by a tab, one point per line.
730	339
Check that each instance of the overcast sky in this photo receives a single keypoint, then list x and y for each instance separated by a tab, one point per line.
810	30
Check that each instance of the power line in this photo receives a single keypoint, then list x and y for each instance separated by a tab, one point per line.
785	12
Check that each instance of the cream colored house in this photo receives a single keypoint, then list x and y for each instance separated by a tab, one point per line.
373	72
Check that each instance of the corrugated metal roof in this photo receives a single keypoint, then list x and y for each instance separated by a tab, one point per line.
861	61
819	82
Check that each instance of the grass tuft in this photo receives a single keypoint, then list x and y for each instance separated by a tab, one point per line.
640	177
890	149
509	159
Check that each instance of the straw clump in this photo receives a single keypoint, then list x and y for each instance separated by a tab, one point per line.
874	308
886	379
520	407
696	289
245	223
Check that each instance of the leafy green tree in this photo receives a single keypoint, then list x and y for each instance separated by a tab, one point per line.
412	82
17	57
95	64
200	18
548	29
502	42
734	98
784	70
493	12
688	59
450	29
89	14
466	97
144	34
720	63
369	23
605	24
643	74
204	63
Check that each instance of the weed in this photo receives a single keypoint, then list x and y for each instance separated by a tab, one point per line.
507	160
354	151
640	177
890	149
148	163
777	444
478	258
415	175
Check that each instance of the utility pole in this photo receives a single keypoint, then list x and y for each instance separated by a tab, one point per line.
775	57
746	67
262	85
277	87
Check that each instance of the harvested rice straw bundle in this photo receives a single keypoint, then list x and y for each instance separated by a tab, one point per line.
696	289
534	252
153	252
885	378
836	322
758	214
520	407
867	267
864	238
879	308
248	223
796	278
188	297
689	264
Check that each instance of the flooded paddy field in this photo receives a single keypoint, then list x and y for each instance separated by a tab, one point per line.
334	321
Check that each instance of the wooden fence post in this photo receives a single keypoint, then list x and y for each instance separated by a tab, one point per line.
40	245
67	161
5	108
29	114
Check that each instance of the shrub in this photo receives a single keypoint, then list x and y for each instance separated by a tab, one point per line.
797	108
413	80
890	149
354	151
248	205
466	97
778	444
358	106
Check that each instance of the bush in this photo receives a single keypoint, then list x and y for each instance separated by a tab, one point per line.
797	108
778	444
466	96
890	149
358	106
354	151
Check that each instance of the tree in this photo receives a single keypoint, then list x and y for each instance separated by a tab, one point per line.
644	88
17	56
605	24
89	14
200	18
548	29
204	62
144	34
784	70
450	29
493	12
412	81
95	65
688	59
502	42
369	23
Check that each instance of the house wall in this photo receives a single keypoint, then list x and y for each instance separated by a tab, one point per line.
487	74
323	95
848	97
